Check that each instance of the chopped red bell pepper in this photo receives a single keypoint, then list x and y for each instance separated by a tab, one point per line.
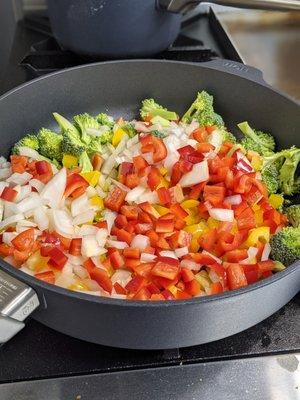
47	276
115	199
8	194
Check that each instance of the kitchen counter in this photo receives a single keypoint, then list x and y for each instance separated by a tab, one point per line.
269	41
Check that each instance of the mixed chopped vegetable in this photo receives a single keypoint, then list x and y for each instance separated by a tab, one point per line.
159	208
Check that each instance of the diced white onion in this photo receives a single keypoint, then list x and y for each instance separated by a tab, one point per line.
140	242
5	173
117	244
101	237
121	276
90	247
147	257
91	191
234	200
63	223
84	217
7	237
19	179
168	253
80	205
23	193
54	190
181	251
199	173
120	185
148	157
38	185
87	230
29	203
221	214
109	216
252	252
80	271
41	218
11	220
215	139
141	127
150	197
2	186
135	194
190	264
266	252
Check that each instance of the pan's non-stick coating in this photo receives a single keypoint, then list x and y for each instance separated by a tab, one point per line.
118	88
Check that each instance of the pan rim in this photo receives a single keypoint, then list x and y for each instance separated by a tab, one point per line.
32	281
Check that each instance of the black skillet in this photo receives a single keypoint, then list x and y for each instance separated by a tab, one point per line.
118	87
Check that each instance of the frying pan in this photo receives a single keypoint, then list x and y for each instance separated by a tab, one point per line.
118	88
130	28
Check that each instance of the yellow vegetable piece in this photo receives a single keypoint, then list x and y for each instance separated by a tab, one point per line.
200	228
163	171
276	200
173	289
97	201
259	217
195	246
187	204
256	234
255	207
163	183
204	280
78	286
102	257
110	271
161	210
256	162
213	223
91	177
36	262
69	161
117	136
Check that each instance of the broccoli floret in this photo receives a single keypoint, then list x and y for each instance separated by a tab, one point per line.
65	124
227	136
27	141
285	246
152	109
94	146
88	126
71	143
50	144
202	110
85	162
286	163
293	214
262	143
106	137
158	134
270	177
105	119
129	129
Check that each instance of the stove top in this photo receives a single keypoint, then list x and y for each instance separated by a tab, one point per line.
40	360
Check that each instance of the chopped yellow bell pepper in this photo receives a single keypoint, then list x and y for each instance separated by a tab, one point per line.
255	207
163	171
256	162
193	217
195	246
117	136
97	201
78	286
173	289
259	217
276	200
200	228
69	161
91	177
163	183
203	279
256	234
187	204
213	223
36	262
161	210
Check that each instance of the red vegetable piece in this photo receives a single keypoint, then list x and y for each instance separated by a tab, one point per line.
8	194
236	276
47	276
102	278
115	199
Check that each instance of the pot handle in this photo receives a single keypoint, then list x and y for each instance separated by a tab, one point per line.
17	302
182	6
236	68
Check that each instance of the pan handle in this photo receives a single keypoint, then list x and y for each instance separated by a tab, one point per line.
182	6
17	302
236	68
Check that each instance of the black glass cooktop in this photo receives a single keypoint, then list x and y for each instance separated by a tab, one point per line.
38	352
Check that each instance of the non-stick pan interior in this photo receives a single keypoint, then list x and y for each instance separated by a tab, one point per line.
119	87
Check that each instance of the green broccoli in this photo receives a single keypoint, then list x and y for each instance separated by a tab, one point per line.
152	109
202	110
285	245
50	144
65	124
129	129
158	134
88	126
85	162
293	214
94	146
227	136
27	141
106	120
106	137
285	162
270	177
262	143
71	143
